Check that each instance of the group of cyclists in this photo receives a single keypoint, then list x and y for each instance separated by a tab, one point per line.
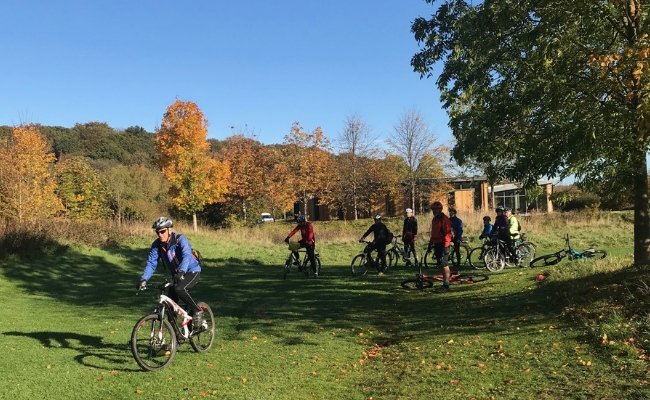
446	236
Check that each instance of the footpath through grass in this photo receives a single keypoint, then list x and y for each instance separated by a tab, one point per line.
67	315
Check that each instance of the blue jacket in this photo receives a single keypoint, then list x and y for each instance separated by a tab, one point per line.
181	249
487	231
456	227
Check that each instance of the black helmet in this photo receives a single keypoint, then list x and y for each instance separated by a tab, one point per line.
500	208
487	218
300	218
452	210
377	217
162	223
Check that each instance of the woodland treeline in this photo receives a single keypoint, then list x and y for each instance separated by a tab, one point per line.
92	171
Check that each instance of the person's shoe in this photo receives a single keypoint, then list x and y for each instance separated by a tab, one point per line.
443	288
197	320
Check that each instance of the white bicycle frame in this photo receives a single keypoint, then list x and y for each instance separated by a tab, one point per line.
179	311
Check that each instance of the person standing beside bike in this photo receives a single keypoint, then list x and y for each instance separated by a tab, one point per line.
456	234
487	228
175	252
440	242
307	241
410	235
381	236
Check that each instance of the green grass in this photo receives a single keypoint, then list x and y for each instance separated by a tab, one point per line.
67	315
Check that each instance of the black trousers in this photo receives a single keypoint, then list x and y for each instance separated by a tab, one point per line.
180	290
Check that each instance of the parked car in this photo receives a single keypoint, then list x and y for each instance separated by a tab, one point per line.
267	217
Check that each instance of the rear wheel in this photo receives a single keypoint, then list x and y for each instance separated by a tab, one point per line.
526	254
464	256
416	284
287	266
359	265
153	343
201	340
476	258
470	278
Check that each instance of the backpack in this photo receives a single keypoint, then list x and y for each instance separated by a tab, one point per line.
174	240
389	236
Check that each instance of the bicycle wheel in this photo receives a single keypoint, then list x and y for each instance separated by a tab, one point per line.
525	254
287	266
547	260
359	265
416	284
392	258
310	270
201	339
429	259
594	254
494	260
469	278
476	258
153	343
464	256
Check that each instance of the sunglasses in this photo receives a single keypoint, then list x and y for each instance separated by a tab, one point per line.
161	232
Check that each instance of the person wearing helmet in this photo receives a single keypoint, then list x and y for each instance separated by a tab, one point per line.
307	241
500	227
456	234
440	241
381	236
410	235
487	228
513	233
175	252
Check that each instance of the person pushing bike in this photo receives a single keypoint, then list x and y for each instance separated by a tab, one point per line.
175	252
307	241
440	241
380	240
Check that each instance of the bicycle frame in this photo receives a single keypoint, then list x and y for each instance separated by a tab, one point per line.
169	306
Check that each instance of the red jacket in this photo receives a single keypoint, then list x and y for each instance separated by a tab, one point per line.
306	231
441	230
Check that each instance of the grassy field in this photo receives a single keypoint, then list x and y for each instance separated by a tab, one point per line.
68	311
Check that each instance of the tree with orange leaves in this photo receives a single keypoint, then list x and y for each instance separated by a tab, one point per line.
183	155
27	188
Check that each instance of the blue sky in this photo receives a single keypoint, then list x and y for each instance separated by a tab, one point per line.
256	65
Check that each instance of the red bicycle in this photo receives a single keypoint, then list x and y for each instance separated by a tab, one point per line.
423	281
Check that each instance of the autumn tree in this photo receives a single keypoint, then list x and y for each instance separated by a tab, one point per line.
81	190
309	160
247	160
552	88
279	187
183	155
355	143
27	187
413	141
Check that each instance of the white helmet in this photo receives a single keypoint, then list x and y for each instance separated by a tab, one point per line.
162	223
408	210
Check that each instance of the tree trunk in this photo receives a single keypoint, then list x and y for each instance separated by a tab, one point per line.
641	208
194	224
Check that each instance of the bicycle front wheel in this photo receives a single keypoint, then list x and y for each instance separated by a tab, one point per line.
547	260
287	266
153	343
476	258
359	265
494	260
202	338
416	284
470	278
595	254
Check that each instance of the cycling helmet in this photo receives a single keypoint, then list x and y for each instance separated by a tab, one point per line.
507	209
436	204
162	223
377	217
452	210
500	208
408	210
300	218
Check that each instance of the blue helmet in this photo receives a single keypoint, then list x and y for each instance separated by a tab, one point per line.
300	218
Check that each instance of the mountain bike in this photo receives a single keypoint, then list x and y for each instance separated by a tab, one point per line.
476	256
423	281
157	336
304	266
498	256
570	252
398	252
364	260
464	249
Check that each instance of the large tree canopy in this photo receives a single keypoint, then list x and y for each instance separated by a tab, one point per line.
547	88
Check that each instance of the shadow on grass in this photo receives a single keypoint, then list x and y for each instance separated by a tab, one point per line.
93	352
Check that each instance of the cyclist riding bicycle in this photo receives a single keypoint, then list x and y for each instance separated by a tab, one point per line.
175	252
410	235
381	235
487	228
307	241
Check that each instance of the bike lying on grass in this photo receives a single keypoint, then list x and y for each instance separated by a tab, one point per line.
156	337
304	266
423	281
570	252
